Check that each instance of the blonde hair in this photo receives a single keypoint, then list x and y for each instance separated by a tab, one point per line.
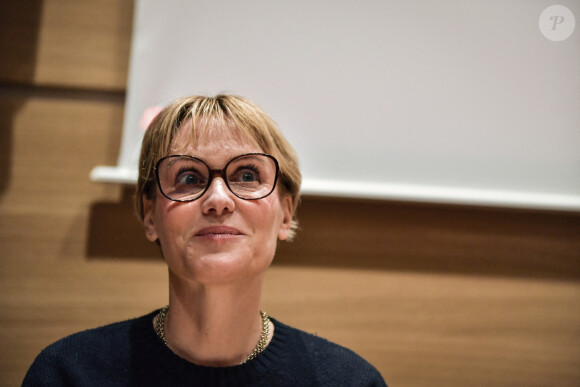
227	111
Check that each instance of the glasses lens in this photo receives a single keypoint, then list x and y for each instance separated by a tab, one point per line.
182	178
252	176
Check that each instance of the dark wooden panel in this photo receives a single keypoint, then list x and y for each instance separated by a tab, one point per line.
79	44
432	238
394	236
19	27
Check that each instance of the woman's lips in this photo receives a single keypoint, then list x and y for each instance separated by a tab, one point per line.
218	232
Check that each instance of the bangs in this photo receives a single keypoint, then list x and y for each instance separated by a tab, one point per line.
195	128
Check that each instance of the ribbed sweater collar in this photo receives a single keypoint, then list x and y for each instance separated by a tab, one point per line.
161	362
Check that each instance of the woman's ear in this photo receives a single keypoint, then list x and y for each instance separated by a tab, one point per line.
149	218
288	215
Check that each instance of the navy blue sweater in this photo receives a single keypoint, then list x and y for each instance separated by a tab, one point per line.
129	353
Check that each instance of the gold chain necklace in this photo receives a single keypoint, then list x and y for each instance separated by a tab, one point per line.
262	343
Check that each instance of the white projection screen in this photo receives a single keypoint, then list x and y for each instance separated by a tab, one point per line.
465	102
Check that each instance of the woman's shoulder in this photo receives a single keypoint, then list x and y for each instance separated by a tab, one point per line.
112	334
314	344
77	354
329	360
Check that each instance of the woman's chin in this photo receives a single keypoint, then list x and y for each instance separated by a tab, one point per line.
221	268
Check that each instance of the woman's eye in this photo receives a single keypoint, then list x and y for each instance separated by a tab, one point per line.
248	177
245	175
189	178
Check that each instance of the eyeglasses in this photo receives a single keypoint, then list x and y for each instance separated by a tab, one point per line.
184	178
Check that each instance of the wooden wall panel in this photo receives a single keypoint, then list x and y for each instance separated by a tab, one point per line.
77	44
59	140
436	238
19	26
436	329
49	287
432	295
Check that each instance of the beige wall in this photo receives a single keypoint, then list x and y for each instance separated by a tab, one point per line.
432	295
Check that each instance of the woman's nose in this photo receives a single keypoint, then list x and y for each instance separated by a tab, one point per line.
218	199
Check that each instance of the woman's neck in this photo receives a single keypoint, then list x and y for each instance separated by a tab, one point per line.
214	325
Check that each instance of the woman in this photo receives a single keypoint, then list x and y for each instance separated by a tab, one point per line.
218	187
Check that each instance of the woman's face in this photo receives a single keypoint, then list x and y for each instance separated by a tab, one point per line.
219	237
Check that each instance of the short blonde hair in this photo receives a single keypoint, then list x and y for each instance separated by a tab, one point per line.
227	111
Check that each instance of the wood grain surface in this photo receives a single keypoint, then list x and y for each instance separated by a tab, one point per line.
74	44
